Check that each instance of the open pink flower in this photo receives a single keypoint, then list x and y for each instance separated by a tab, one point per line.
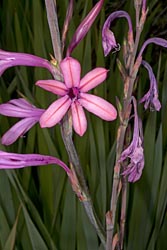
73	95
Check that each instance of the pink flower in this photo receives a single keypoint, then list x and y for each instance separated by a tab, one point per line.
73	95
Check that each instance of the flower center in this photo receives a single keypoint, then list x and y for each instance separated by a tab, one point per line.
74	93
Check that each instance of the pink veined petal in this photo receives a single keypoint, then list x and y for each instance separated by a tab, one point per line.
53	86
19	129
98	106
92	79
71	70
78	118
55	112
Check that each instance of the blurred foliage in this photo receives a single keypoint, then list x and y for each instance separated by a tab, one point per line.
38	209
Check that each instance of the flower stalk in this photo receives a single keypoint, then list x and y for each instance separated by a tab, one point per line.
77	178
132	67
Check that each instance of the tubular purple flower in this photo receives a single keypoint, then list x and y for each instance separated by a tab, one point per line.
14	160
134	152
159	41
73	95
22	109
151	97
10	59
84	27
108	38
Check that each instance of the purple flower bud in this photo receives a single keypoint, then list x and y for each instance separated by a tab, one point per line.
108	38
10	59
22	109
134	152
84	27
13	160
151	97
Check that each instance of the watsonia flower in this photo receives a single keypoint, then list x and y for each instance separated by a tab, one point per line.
22	109
151	97
134	152
73	95
108	38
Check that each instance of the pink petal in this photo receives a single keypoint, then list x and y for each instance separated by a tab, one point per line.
55	112
53	86
78	118
71	70
92	79
19	129
98	106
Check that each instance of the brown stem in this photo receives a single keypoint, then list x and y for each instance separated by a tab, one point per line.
123	211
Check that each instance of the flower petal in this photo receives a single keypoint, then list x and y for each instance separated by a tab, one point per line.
19	129
98	106
92	79
78	118
20	108
71	70
56	87
55	112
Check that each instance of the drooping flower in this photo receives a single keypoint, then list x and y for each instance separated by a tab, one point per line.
84	27
134	152
151	97
10	59
158	41
22	109
73	94
108	38
14	160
